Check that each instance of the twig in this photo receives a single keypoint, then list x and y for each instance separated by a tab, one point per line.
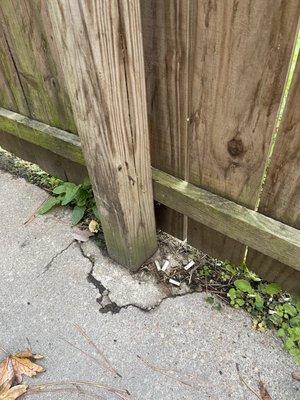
89	340
245	383
35	213
121	393
4	351
84	352
163	372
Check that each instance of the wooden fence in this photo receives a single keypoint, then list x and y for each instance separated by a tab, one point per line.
203	79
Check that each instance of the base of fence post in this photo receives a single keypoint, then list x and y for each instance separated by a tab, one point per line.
100	47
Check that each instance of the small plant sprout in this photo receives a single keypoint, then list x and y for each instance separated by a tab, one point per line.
80	197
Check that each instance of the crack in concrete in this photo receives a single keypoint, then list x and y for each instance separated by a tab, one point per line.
106	304
48	265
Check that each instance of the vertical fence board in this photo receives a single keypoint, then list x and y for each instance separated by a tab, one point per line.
100	44
281	194
31	81
165	35
28	34
11	94
239	59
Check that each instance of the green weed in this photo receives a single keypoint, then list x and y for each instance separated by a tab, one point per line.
80	197
268	304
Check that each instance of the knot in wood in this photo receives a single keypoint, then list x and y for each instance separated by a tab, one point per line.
235	147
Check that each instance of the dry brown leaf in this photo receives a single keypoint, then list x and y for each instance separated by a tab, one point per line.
82	236
264	394
18	364
6	372
28	354
11	393
296	375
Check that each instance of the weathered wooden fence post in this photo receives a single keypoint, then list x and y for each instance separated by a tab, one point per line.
100	48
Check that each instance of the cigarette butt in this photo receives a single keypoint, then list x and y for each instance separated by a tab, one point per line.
189	265
175	283
166	265
157	265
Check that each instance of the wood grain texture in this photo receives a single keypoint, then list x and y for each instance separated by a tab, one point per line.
11	92
240	52
100	45
31	80
165	34
238	222
280	198
28	35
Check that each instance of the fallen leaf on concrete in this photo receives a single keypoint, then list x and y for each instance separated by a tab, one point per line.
82	236
6	372
11	393
296	375
18	364
264	394
94	226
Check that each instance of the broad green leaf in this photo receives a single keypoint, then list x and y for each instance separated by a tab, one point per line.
243	285
49	204
259	303
294	333
81	197
232	293
240	302
273	288
297	359
295	321
295	352
275	319
77	214
289	309
289	344
61	188
70	194
281	332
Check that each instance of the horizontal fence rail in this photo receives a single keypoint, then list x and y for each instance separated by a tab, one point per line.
249	227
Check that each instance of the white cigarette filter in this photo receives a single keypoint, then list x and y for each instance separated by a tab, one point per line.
189	265
175	283
166	265
157	265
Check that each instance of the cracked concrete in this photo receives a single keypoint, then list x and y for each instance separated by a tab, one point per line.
49	264
119	288
181	348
